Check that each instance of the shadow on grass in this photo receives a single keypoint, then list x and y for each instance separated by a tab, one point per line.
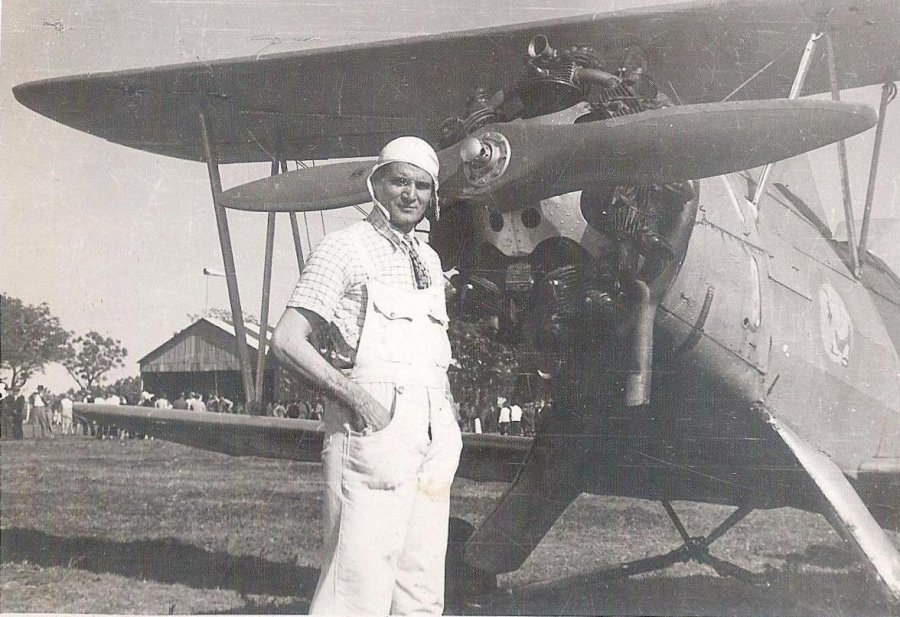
773	592
165	560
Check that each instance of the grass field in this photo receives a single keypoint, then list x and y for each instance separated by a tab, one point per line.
153	527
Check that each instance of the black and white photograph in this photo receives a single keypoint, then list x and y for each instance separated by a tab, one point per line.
525	307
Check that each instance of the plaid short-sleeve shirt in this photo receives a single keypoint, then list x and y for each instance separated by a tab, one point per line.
332	284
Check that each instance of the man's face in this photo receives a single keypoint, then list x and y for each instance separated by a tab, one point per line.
405	191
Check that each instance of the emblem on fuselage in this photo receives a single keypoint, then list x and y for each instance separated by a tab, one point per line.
837	329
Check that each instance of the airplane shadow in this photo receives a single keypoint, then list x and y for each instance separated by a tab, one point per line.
165	560
773	592
168	560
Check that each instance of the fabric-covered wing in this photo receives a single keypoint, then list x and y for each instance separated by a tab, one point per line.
347	101
484	457
237	435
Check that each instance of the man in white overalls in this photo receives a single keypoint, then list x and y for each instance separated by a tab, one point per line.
392	440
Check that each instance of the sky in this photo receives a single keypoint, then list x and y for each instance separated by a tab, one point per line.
115	240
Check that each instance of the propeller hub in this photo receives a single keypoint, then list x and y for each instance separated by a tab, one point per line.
485	158
472	151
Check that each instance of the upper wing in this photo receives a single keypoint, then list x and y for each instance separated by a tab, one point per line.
348	101
484	457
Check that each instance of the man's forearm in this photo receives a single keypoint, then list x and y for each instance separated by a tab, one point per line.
296	354
303	360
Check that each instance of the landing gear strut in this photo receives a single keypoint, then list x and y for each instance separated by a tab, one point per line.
694	548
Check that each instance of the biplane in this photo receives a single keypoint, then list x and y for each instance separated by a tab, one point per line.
634	204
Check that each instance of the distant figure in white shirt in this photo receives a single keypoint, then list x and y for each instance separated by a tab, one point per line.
66	412
42	412
504	419
515	419
197	404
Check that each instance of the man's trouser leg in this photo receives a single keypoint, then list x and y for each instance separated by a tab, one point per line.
370	485
420	576
43	418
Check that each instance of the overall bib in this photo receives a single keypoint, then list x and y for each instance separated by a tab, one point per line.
387	494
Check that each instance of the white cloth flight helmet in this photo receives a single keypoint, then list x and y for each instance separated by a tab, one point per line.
410	150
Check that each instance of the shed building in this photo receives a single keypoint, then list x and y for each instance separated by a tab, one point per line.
203	358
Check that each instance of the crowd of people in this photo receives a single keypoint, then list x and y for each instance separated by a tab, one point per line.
509	418
48	415
296	408
52	415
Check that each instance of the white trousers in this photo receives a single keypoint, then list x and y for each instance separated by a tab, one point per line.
387	504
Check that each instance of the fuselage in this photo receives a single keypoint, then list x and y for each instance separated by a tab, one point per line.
764	311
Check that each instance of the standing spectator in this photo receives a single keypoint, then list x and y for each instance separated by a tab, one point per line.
529	411
7	414
56	414
23	412
504	417
515	419
113	399
42	412
226	405
180	402
197	404
279	411
212	403
162	402
318	409
19	413
66	413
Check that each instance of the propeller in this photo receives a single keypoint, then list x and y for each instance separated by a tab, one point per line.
508	164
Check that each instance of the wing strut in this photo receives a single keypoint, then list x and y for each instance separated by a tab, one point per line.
842	159
234	297
888	94
295	228
264	300
796	87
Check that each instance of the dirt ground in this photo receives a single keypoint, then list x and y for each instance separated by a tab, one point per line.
153	527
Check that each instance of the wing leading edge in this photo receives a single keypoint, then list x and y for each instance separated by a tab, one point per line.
347	101
484	457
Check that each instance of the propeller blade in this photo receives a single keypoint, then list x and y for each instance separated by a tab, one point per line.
658	146
546	159
324	187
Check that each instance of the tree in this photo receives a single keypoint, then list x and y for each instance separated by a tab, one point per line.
90	356
484	370
30	337
128	387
